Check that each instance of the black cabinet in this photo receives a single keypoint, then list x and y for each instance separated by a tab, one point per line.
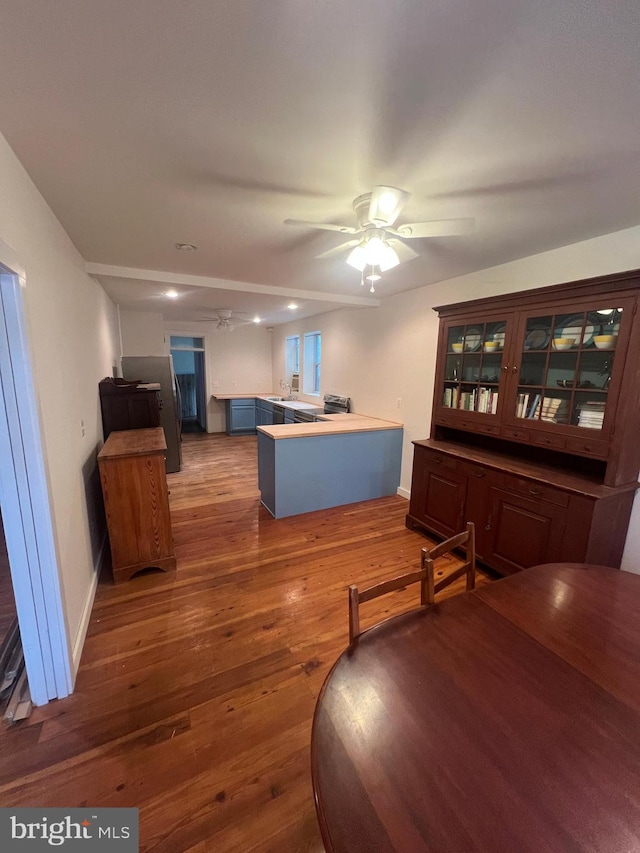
125	406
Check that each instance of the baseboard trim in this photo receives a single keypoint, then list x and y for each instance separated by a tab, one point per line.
78	644
404	493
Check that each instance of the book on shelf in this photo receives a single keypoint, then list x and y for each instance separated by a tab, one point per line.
522	403
555	410
534	408
591	414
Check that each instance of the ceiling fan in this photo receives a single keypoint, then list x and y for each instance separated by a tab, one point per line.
227	319
380	244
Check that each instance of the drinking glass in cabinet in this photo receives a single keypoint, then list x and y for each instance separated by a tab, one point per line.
452	369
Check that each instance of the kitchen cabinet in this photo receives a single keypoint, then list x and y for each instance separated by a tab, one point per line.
534	424
264	412
241	416
304	467
136	499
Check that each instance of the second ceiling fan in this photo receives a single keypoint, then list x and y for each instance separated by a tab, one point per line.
380	244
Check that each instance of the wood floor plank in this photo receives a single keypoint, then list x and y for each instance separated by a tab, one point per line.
196	690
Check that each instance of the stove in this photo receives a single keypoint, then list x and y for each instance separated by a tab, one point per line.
336	405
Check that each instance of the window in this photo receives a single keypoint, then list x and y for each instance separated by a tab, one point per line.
292	355
183	342
312	355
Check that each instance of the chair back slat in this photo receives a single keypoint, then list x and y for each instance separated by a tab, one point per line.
425	577
430	555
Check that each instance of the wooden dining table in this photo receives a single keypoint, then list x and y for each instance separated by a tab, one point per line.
504	719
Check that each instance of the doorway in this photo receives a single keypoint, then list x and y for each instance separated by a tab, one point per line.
24	498
188	364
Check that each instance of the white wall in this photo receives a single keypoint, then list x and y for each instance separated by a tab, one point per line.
72	331
236	362
142	333
377	355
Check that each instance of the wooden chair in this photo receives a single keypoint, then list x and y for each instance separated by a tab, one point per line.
430	555
356	598
425	577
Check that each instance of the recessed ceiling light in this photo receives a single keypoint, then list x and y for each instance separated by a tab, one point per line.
172	294
292	306
186	247
257	320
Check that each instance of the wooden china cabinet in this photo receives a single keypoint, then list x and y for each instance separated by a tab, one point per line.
535	427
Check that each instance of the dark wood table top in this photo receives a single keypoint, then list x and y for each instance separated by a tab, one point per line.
506	719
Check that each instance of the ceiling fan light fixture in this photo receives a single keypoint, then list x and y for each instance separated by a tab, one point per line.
388	258
358	258
382	207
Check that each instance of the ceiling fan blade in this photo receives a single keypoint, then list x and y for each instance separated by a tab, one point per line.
338	250
437	228
325	226
404	252
386	204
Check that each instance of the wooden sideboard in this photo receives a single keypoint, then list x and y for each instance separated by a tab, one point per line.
534	424
136	498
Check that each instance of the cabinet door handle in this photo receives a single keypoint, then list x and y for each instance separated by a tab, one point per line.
535	492
438	459
514	369
480	473
505	367
488	524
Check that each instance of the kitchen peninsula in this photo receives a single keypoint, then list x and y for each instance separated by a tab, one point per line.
339	460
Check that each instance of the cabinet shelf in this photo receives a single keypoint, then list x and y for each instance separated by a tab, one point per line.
556	401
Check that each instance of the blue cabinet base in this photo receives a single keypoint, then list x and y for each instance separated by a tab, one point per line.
297	475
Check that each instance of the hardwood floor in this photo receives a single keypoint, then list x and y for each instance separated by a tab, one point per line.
196	690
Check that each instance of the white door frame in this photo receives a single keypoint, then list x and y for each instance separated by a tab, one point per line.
203	349
24	498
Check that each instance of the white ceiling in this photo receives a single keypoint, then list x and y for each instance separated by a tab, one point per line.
149	123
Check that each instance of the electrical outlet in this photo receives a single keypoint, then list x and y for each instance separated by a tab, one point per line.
216	384
398	402
82	429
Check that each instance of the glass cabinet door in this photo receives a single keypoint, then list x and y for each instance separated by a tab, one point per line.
473	362
565	367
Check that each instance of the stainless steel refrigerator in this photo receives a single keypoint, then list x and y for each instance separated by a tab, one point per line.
159	368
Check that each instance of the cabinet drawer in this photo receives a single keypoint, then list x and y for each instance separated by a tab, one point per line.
558	442
434	458
517	433
585	445
481	472
539	491
478	426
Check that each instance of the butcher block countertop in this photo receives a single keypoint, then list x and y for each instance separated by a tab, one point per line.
329	425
